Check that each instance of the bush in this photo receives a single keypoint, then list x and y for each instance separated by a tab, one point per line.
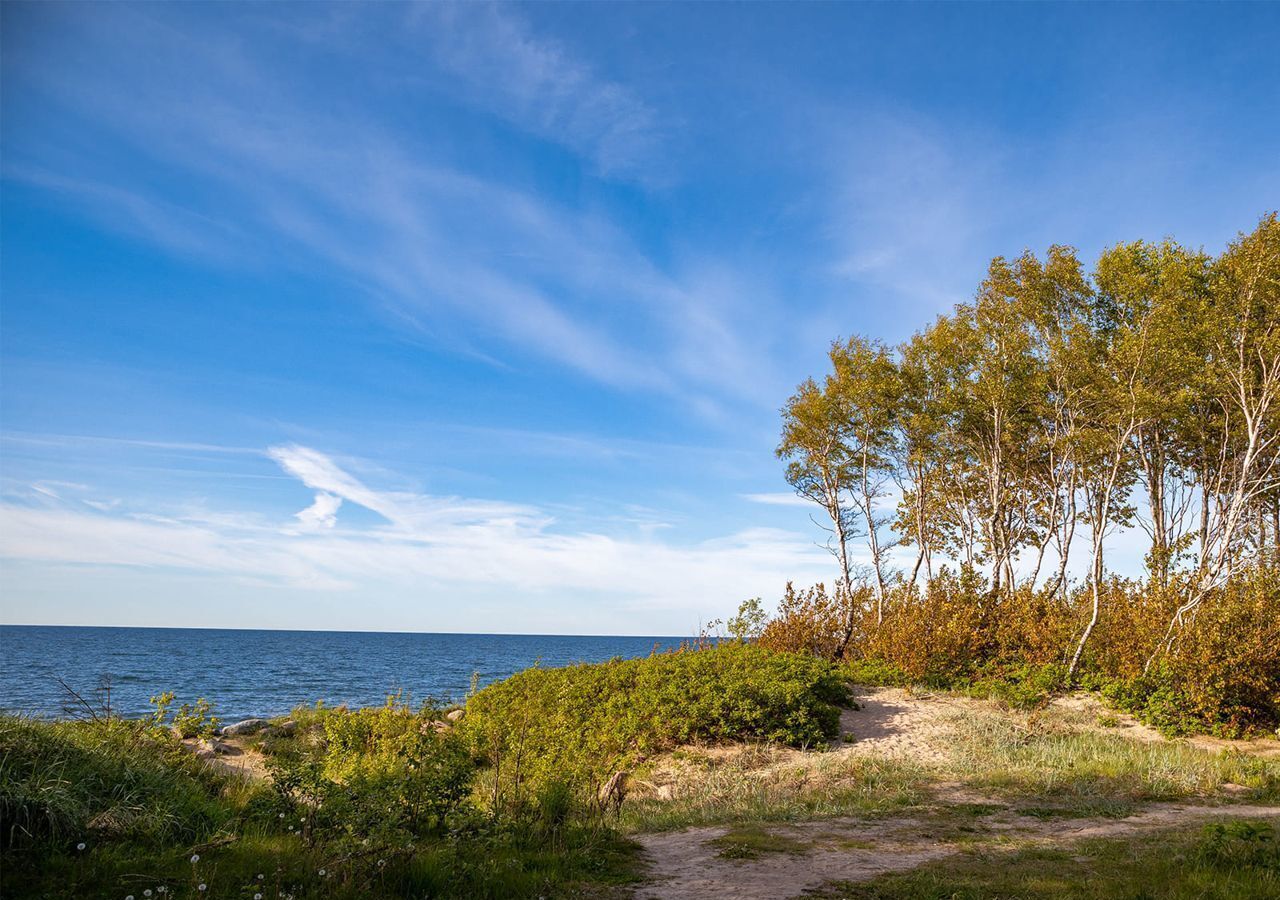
581	723
1221	674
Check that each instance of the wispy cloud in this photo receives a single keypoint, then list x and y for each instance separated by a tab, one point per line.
535	82
777	499
426	540
493	267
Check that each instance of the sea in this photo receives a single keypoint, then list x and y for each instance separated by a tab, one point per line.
246	673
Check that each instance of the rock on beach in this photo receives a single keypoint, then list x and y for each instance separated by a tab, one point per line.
247	726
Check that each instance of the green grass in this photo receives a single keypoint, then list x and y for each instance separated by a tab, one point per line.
1233	861
751	842
1081	771
1049	764
349	787
116	809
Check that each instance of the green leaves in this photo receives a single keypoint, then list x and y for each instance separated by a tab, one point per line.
581	723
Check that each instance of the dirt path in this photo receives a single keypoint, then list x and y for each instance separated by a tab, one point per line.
781	861
688	865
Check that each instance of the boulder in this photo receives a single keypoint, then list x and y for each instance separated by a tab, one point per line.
455	715
247	726
284	729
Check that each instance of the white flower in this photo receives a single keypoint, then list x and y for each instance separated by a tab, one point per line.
282	815
195	858
322	873
259	876
201	886
80	846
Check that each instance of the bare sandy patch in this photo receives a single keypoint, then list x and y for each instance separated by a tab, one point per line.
689	865
900	723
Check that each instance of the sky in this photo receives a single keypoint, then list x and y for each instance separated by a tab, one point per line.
478	318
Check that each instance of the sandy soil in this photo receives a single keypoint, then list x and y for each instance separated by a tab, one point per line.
685	865
898	723
236	757
904	724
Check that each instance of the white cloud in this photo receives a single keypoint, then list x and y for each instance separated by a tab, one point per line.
323	513
512	551
778	499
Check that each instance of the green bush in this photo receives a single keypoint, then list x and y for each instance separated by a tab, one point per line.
580	723
389	771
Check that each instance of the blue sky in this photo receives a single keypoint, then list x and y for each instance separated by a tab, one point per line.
478	318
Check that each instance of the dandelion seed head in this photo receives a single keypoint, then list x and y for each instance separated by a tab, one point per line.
195	858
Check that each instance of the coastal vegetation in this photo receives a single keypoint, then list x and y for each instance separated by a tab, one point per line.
542	784
1026	432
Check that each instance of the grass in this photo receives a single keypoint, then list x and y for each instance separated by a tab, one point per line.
752	841
115	809
1233	861
1052	757
768	785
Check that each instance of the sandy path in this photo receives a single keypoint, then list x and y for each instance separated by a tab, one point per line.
903	724
686	866
896	723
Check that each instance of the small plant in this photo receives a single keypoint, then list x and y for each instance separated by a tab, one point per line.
195	720
1238	845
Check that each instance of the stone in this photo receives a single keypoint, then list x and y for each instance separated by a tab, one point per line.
455	715
247	726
